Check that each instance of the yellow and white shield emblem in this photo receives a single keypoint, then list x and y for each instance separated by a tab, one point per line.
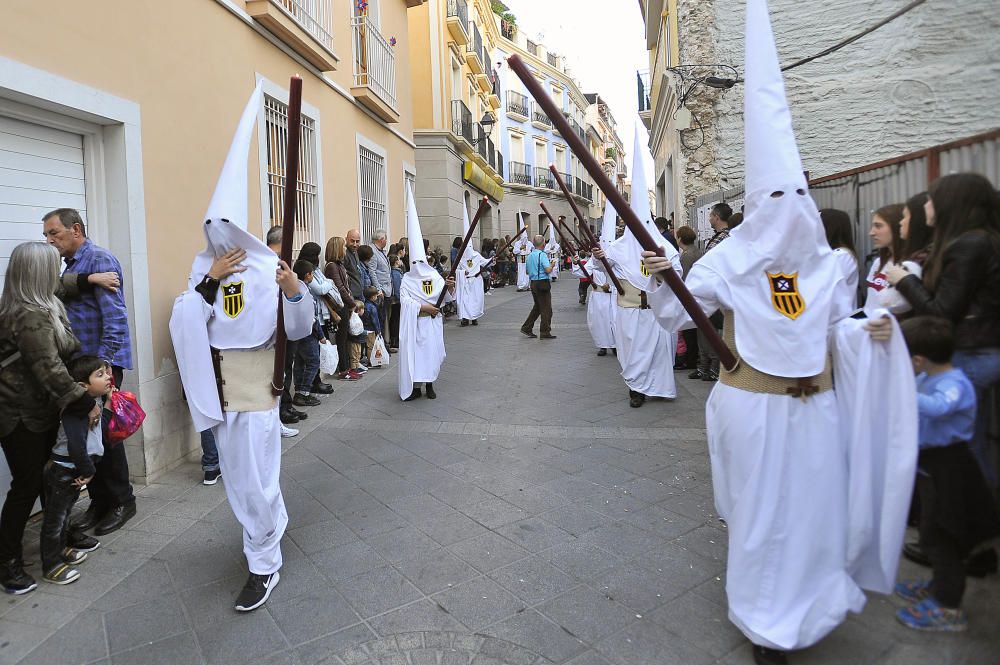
785	294
468	262
232	299
428	287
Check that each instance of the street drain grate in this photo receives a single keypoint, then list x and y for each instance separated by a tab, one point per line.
438	648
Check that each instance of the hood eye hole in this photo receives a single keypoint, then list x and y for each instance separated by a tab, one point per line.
208	221
225	220
777	195
800	192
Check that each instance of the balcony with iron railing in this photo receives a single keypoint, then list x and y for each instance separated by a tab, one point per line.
583	189
304	25
491	154
500	164
520	173
485	80
518	106
461	120
543	178
577	129
539	118
532	48
568	179
482	144
474	50
374	69
458	21
553	59
494	96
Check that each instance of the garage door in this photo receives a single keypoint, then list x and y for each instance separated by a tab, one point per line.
40	169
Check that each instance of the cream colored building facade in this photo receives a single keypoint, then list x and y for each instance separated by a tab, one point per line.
125	110
454	89
529	141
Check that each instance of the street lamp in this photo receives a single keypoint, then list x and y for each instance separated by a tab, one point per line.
486	127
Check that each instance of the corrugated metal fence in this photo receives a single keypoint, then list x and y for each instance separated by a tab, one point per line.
861	191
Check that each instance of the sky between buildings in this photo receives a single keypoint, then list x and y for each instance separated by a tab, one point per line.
604	44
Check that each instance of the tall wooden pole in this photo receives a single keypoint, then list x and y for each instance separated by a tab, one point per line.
563	237
615	198
289	208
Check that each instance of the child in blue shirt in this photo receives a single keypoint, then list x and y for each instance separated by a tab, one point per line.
957	514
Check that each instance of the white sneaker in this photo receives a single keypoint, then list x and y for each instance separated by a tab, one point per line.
288	432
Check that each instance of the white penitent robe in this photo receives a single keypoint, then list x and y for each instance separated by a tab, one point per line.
249	442
469	293
521	251
796	493
554	252
645	349
421	338
600	307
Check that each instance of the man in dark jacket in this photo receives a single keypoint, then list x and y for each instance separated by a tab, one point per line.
353	265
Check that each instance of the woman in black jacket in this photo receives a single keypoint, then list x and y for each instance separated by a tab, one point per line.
961	282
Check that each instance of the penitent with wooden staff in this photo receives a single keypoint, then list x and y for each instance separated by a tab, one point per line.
465	243
615	198
565	241
504	247
289	208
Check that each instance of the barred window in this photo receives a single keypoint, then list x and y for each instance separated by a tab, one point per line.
307	217
372	190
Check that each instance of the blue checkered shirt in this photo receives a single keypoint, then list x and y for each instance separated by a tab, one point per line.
100	319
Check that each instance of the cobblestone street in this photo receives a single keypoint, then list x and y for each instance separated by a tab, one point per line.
526	516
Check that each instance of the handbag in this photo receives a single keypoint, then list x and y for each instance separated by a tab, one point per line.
329	358
379	356
126	416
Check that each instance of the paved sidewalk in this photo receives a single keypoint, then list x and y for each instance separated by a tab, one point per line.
527	516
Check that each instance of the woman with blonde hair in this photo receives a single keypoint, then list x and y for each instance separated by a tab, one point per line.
336	250
35	343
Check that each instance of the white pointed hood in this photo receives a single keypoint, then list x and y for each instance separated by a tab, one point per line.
470	254
553	244
421	281
523	243
626	251
608	226
244	313
781	274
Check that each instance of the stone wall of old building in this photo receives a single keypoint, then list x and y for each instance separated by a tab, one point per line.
926	78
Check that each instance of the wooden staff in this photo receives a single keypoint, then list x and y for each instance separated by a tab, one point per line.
616	199
461	250
288	222
504	248
572	235
564	240
593	241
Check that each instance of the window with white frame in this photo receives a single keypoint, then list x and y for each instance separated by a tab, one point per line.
308	226
372	191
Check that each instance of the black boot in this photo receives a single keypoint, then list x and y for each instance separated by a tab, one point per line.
636	399
13	578
94	514
602	352
765	656
414	395
429	389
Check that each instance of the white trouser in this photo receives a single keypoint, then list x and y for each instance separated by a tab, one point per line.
250	458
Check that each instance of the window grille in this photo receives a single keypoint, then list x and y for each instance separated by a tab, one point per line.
307	216
372	185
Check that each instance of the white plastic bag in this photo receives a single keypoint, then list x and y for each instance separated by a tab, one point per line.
355	327
328	358
380	355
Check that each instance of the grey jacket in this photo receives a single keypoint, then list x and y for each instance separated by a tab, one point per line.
380	270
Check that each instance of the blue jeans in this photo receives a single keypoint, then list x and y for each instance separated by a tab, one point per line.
982	366
306	363
209	452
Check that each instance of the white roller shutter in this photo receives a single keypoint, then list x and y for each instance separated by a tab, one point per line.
40	169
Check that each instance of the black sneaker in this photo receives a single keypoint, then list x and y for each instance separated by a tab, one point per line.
414	395
696	374
81	542
14	580
212	477
711	376
73	556
61	574
287	416
301	399
256	591
321	388
429	389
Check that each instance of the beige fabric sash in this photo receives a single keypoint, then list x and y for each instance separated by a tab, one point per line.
750	379
246	380
633	299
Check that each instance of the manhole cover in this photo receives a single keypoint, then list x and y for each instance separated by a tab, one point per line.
438	648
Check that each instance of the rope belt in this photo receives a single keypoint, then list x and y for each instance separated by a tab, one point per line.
753	380
633	299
